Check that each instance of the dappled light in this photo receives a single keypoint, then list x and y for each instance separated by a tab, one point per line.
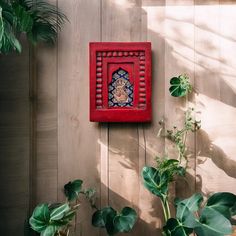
47	139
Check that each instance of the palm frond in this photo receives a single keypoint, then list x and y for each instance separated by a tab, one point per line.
9	41
40	20
1	26
47	20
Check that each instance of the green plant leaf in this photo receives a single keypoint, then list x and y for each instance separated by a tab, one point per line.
40	218
233	210
125	221
59	212
97	219
1	27
169	168
47	21
69	216
24	22
180	86
72	189
174	228
49	231
222	202
212	223
104	219
9	41
155	182
39	19
192	203
186	217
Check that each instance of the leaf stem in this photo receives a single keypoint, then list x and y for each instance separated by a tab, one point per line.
166	208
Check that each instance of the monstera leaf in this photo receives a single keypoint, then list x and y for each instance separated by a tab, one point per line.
114	222
180	86
72	189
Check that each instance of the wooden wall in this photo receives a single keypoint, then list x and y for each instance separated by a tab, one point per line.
196	37
14	142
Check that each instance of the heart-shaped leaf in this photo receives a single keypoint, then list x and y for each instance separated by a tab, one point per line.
104	219
40	218
155	182
59	212
113	222
124	222
180	86
97	219
72	189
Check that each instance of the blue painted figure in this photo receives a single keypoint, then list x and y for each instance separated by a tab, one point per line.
120	90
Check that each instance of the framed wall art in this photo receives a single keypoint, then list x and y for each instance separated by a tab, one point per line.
120	82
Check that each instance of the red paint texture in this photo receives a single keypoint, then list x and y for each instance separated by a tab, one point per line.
105	59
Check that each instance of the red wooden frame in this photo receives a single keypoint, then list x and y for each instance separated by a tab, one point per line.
135	58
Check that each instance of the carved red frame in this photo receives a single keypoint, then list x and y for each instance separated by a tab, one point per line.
105	58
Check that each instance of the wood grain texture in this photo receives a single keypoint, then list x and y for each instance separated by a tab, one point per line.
154	145
179	59
216	99
122	22
77	137
193	37
46	124
14	142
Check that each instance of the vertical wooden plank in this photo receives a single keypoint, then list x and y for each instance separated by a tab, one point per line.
14	142
215	43
226	138
121	21
207	66
46	123
104	171
77	137
154	146
179	59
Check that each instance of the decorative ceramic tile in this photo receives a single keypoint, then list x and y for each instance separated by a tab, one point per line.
120	90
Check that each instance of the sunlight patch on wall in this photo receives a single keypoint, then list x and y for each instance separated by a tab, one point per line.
212	179
125	3
217	137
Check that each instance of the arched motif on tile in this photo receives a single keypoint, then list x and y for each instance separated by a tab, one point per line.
121	91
